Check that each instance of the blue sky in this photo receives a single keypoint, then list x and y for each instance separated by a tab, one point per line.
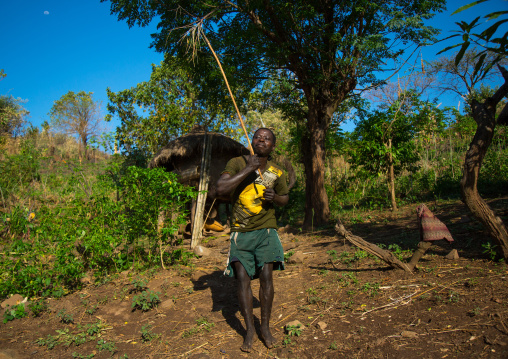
50	47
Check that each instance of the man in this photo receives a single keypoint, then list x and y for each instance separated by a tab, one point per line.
255	245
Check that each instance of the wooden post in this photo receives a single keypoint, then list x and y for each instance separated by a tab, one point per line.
204	178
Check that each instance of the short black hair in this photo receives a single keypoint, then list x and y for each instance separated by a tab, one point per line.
264	128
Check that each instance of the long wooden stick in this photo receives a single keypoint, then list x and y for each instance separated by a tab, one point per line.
386	256
232	97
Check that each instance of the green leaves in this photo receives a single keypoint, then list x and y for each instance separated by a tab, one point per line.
147	192
146	300
51	248
399	125
484	40
12	116
166	106
14	312
465	7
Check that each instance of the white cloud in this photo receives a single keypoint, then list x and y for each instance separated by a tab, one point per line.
46	12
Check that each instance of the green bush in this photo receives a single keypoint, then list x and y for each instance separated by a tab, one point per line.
14	312
104	224
18	170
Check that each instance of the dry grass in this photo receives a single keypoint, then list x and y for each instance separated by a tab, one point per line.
56	145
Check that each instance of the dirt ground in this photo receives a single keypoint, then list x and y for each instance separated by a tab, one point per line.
350	305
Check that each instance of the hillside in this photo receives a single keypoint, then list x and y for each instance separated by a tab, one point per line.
350	304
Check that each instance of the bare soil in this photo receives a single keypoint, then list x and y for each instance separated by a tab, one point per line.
350	306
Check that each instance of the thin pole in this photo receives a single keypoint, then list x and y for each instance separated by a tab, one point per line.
204	179
232	97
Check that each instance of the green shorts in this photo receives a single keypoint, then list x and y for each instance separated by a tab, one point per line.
254	249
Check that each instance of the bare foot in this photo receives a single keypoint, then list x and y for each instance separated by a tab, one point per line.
247	342
267	337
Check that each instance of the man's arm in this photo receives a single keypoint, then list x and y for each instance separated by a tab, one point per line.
227	183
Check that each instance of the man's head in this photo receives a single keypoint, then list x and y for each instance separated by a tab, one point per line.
263	142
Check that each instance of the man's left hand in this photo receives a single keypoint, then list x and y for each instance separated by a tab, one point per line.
269	194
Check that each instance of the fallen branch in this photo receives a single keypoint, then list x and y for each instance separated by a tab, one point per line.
386	256
190	351
395	302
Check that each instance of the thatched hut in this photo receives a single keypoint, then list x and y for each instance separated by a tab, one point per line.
183	156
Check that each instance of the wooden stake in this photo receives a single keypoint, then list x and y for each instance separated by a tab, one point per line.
204	179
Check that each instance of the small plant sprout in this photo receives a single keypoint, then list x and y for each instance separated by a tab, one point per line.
38	307
202	324
146	300
474	312
294	330
146	333
332	254
288	255
65	317
139	285
14	312
104	345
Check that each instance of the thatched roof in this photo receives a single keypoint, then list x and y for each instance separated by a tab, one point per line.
191	146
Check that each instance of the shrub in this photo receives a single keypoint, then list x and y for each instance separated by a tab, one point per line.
103	225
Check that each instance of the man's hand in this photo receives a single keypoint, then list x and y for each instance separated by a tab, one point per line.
253	163
269	194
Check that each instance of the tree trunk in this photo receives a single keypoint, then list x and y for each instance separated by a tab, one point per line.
317	211
484	115
391	176
85	150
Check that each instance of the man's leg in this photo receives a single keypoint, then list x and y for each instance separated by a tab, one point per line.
266	299
245	300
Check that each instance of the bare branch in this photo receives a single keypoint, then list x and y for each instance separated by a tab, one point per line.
503	90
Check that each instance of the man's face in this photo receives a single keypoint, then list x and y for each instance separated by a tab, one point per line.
262	143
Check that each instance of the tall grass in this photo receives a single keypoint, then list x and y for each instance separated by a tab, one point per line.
438	177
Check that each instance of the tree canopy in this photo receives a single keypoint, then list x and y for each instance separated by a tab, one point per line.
384	139
327	48
77	114
12	114
166	106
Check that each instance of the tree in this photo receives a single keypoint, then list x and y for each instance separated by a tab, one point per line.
327	47
486	116
166	106
464	77
12	114
384	140
77	114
